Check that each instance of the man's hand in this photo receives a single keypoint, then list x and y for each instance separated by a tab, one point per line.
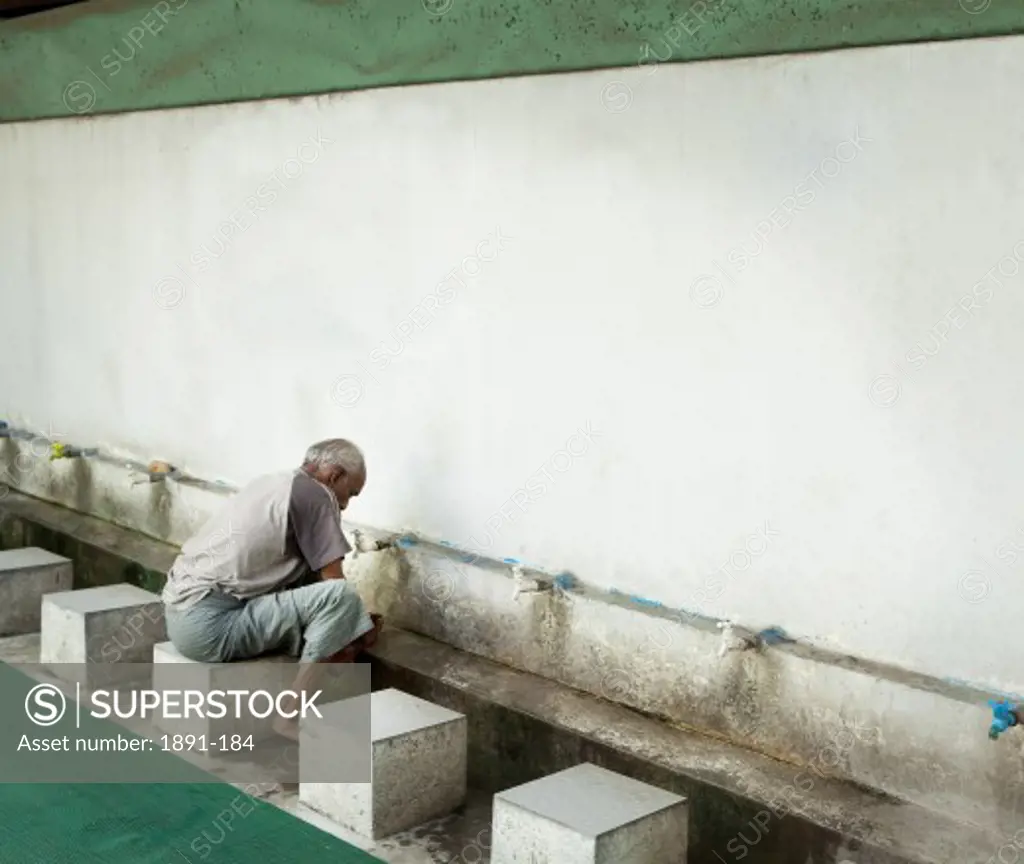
332	571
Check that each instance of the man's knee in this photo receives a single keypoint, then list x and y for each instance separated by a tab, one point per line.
339	591
337	594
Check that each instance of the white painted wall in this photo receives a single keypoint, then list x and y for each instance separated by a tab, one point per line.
711	421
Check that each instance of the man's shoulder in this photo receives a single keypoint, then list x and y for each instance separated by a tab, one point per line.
271	491
306	492
265	483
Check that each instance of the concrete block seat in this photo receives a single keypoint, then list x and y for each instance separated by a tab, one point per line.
417	765
272	673
26	576
87	633
588	815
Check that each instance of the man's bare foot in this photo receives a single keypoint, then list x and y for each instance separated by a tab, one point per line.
369	639
287	727
351	652
348	654
283	725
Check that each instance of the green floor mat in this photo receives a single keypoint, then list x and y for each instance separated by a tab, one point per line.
171	823
139	823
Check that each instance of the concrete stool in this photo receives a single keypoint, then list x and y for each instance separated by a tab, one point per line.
172	671
90	631
26	575
273	674
588	815
417	764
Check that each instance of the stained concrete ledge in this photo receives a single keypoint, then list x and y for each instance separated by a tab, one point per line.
743	805
103	554
522	727
920	738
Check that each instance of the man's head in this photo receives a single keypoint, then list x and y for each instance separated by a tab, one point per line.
339	465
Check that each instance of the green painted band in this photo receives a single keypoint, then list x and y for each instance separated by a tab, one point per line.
124	55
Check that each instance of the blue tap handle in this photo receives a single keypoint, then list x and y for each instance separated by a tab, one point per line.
565	581
1003	717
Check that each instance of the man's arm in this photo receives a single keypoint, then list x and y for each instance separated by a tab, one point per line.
316	524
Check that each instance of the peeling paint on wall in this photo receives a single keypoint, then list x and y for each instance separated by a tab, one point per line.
61	63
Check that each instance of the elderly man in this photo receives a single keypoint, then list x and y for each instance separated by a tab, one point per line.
265	574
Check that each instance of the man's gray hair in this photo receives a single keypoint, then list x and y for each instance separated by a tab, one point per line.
336	453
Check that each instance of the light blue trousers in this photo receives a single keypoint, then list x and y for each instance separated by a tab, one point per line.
312	622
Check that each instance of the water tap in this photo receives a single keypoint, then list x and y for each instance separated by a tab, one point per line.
154	473
523	583
59	451
731	640
66	451
361	543
565	582
1004	715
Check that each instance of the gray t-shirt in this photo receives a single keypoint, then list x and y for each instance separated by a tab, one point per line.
272	533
